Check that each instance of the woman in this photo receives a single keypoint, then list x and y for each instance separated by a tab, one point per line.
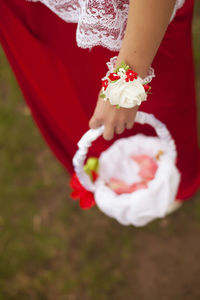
61	81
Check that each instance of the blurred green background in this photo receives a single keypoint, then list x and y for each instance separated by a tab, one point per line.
50	249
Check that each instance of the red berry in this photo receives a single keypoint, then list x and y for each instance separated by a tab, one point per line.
131	73
105	83
114	76
146	87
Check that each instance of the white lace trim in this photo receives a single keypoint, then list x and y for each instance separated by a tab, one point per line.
99	22
111	67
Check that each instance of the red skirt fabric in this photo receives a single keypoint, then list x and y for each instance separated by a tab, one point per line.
43	54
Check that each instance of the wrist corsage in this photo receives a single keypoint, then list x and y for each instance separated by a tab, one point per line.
123	87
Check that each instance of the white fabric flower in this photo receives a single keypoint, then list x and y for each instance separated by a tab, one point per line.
121	72
125	94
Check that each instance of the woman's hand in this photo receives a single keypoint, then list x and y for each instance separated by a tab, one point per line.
139	46
114	120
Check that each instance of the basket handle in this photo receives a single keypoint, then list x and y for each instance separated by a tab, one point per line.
92	134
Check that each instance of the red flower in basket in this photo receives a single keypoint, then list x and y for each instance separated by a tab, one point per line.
148	166
121	187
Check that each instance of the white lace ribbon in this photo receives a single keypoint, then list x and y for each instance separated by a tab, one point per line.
111	67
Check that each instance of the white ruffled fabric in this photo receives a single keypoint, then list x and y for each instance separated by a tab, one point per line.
99	22
142	206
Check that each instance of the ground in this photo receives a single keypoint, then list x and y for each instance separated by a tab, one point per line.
50	249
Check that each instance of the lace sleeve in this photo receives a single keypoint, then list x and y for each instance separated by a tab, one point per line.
99	22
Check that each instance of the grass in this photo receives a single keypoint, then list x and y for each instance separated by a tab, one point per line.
50	249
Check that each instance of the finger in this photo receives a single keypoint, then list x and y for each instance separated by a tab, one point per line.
94	123
108	132
129	124
120	128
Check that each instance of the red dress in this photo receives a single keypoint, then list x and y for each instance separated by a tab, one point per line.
42	51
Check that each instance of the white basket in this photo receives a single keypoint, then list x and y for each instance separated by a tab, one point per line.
144	205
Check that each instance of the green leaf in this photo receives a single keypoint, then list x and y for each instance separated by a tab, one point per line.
116	70
117	106
102	96
92	164
122	65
